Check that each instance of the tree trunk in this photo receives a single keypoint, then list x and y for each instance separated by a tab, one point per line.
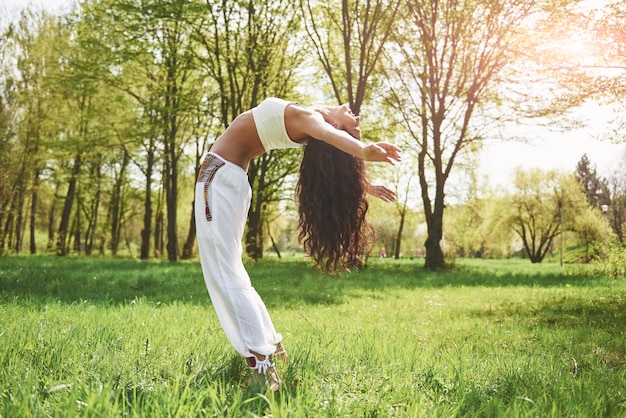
274	246
92	220
51	218
116	205
67	208
11	235
158	235
146	232
434	255
191	236
5	239
7	232
434	214
19	224
171	202
254	235
33	213
76	228
398	239
171	186
1	230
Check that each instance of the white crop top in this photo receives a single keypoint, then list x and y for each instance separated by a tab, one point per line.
269	117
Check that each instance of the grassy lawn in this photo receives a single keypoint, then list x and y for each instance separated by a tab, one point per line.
90	337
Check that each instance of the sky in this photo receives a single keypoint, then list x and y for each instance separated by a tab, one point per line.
552	148
50	5
544	148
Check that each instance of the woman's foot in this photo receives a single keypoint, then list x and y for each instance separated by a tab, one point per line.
263	371
281	354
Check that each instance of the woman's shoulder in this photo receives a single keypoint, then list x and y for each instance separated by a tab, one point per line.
297	110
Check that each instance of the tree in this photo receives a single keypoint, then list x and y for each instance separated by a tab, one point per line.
28	55
590	228
149	50
349	46
595	187
541	203
464	227
84	145
387	219
130	70
617	205
495	233
174	46
443	68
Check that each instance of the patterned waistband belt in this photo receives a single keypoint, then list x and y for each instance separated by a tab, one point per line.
209	167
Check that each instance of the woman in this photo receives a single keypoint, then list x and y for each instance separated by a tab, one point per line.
331	193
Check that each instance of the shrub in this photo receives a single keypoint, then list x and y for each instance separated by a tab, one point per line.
610	260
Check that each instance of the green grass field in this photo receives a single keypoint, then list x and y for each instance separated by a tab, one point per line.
91	337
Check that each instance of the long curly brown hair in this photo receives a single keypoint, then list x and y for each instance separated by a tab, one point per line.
331	193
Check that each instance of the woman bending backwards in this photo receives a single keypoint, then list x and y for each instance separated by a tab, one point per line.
332	205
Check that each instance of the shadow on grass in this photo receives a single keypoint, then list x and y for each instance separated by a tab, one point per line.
38	279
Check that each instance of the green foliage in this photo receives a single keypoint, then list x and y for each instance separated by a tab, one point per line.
596	188
610	260
465	226
542	202
86	337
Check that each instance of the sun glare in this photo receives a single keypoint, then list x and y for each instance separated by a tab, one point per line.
573	46
575	49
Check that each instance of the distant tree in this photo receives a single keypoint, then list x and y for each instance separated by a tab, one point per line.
466	221
388	221
392	224
402	207
56	132
596	188
495	230
28	55
542	201
148	49
617	205
464	225
589	228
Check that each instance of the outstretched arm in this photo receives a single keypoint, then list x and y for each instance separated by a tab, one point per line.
382	192
313	124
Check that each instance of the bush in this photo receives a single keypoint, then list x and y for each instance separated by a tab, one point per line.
610	260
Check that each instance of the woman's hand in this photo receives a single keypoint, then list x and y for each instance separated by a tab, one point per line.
382	151
383	193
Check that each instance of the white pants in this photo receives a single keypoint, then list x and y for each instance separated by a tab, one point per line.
222	201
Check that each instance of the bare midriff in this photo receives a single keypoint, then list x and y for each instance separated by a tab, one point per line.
240	141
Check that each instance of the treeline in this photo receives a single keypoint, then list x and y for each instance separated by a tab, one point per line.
105	113
577	214
544	213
